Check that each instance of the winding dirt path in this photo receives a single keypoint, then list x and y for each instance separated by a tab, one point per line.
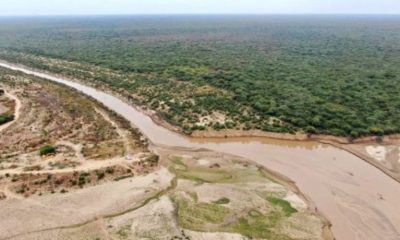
16	112
88	165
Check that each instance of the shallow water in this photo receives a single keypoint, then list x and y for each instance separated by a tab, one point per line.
346	189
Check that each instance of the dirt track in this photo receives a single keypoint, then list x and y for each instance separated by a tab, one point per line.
17	111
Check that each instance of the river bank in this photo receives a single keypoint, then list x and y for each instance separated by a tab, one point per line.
335	141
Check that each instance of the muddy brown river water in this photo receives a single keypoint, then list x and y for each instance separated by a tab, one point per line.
359	200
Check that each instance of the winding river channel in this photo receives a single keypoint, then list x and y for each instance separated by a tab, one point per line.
344	188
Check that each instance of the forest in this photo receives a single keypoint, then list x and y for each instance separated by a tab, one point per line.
334	75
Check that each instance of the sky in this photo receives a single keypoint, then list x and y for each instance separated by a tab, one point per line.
95	7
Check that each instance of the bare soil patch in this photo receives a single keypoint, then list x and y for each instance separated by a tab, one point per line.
92	145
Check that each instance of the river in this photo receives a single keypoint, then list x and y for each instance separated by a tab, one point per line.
344	188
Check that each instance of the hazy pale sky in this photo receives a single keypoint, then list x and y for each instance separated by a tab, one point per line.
71	7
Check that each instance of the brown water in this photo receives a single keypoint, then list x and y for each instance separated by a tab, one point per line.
344	188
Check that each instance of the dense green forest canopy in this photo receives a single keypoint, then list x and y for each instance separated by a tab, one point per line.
335	75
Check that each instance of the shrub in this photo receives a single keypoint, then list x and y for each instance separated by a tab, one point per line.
6	118
223	200
100	175
153	159
285	205
46	150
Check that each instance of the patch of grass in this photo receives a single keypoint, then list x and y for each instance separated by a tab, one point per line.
283	204
196	216
263	225
46	150
178	161
222	174
5	118
194	196
123	232
104	150
245	175
82	180
100	175
200	216
255	213
205	175
258	226
222	201
197	174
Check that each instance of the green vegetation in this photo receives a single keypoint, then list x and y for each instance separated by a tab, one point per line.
194	196
84	178
223	201
5	118
263	221
285	205
47	150
333	75
100	175
198	174
203	174
259	226
254	224
195	215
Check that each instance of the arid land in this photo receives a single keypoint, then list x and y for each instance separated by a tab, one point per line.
104	181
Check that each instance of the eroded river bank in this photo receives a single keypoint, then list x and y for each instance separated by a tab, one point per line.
359	200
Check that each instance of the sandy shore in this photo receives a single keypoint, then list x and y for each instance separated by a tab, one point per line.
23	217
338	142
366	158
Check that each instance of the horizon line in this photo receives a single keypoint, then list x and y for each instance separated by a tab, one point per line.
199	14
